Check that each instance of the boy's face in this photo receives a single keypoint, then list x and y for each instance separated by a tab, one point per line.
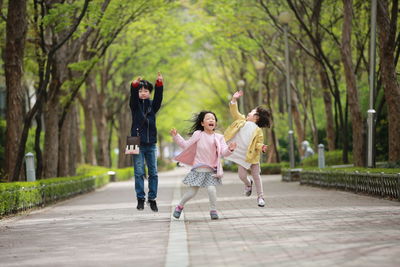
144	93
252	116
209	122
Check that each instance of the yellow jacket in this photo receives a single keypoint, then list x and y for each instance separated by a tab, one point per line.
257	139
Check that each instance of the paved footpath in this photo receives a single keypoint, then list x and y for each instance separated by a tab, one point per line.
300	226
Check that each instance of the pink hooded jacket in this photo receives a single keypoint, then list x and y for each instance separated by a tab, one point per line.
189	150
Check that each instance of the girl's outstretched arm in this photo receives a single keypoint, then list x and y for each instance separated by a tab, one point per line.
233	108
227	150
236	96
181	142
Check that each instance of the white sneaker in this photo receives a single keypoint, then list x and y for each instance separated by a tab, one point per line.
260	201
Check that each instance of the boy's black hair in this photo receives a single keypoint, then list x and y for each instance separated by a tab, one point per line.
146	85
264	117
198	119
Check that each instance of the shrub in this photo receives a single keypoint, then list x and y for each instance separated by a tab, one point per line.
266	168
331	158
354	169
165	164
18	196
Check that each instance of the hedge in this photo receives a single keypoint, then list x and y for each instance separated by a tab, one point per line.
18	196
266	168
331	158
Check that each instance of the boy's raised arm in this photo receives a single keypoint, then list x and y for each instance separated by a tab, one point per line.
158	92
134	99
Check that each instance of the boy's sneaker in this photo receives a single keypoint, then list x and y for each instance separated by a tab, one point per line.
153	205
178	211
214	215
261	201
248	189
140	204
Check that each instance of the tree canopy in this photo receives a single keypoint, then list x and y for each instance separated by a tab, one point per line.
78	58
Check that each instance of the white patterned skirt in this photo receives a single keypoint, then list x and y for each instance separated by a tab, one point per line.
201	178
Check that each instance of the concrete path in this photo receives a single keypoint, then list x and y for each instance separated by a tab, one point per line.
300	226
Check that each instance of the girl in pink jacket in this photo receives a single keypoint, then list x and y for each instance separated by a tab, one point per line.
203	151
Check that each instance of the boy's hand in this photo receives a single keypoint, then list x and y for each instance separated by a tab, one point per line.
232	146
173	132
159	77
137	80
264	148
237	95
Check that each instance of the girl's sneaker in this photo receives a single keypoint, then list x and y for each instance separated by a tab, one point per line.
213	215
248	189
260	201
178	211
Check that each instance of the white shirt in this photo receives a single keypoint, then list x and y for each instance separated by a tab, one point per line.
242	139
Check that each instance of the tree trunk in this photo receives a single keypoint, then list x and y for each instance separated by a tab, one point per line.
65	143
330	130
38	150
101	127
313	123
352	92
387	36
74	148
88	109
273	154
124	119
79	156
13	69
297	121
51	138
309	117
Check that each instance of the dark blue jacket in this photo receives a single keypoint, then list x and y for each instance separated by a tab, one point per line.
144	113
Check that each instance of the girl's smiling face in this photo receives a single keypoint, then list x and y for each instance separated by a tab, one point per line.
209	123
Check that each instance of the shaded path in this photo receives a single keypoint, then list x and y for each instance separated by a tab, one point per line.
301	226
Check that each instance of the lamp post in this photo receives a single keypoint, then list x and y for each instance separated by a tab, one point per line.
284	19
240	85
371	110
259	67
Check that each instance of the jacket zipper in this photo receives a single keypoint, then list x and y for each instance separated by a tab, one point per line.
148	134
148	125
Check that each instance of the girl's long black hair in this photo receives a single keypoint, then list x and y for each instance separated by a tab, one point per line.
198	119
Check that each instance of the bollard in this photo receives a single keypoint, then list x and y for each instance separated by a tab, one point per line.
30	167
112	176
321	156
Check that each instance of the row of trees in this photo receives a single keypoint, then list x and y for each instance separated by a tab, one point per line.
329	44
68	64
63	47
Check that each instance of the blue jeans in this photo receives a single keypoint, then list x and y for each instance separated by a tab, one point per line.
147	153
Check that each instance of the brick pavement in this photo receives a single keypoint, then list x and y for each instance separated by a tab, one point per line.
300	226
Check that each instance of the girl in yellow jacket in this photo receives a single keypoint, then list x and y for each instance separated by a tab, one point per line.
246	132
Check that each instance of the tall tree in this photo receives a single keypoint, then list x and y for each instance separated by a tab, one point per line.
352	91
41	93
16	29
387	25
